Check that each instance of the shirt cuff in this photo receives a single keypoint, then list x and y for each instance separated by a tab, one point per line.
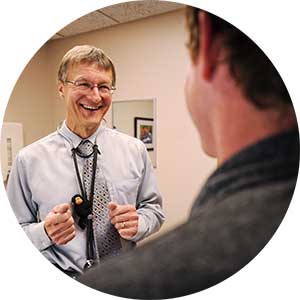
142	227
40	238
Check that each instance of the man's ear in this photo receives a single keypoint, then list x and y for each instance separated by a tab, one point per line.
61	89
208	53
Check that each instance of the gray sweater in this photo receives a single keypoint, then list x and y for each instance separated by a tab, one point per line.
235	215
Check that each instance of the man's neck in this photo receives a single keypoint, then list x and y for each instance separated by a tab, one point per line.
82	131
251	129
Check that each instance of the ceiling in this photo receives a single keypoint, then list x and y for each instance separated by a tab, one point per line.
116	14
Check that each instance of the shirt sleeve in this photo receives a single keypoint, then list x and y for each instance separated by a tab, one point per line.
26	211
149	202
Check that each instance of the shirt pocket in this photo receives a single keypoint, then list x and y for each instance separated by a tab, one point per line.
126	191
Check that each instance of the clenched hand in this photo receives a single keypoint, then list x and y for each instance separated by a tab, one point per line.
125	218
59	224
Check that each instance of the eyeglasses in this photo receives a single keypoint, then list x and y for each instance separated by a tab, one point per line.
85	86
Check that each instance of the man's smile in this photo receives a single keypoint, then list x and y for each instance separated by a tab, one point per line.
89	107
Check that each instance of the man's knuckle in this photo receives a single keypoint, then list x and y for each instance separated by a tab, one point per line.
134	217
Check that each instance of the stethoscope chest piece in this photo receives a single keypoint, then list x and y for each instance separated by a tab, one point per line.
82	208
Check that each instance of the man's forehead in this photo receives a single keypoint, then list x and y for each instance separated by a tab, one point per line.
78	66
83	68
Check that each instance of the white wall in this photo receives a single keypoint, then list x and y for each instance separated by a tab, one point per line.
124	113
151	62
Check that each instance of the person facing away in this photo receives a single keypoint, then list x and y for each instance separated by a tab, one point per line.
245	118
69	215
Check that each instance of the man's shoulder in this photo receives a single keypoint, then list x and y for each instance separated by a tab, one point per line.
262	207
122	138
39	145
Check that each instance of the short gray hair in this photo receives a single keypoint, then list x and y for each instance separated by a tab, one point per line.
85	54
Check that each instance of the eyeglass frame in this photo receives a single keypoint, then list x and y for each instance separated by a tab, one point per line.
91	85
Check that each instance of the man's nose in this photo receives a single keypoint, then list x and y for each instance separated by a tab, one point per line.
95	93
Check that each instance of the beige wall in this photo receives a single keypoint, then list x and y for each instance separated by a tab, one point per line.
151	62
30	103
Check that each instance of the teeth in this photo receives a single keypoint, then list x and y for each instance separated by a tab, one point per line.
90	107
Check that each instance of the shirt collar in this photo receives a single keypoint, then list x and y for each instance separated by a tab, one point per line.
74	139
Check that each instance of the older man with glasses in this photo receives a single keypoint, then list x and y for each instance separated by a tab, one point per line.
85	192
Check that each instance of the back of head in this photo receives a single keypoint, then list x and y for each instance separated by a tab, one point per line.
248	65
85	54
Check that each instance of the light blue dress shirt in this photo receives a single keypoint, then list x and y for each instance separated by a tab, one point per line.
43	176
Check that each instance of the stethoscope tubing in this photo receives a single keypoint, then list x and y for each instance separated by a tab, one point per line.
90	249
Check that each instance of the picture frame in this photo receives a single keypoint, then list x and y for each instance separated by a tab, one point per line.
144	131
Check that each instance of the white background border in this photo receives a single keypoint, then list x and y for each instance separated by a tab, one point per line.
274	26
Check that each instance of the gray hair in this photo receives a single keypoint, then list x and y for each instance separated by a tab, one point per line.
85	54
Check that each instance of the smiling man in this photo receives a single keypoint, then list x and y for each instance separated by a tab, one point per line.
85	192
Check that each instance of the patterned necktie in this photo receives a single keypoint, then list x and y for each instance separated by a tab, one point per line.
107	238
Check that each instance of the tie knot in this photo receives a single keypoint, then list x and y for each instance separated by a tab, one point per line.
85	147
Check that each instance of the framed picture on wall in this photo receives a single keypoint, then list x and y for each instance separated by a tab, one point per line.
143	130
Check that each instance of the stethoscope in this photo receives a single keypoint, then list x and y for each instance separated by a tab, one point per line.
83	204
